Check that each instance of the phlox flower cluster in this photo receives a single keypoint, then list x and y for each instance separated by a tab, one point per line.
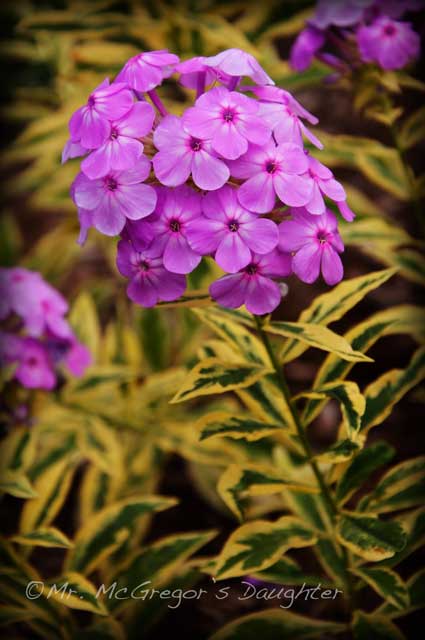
230	178
35	337
360	31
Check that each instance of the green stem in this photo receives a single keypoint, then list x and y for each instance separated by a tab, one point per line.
327	496
329	501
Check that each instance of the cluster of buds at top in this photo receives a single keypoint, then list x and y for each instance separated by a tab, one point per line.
229	178
358	32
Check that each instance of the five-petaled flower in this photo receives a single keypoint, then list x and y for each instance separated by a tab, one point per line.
116	197
315	244
182	154
231	232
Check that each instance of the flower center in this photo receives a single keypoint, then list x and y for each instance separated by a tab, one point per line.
389	30
32	361
251	269
114	134
228	115
144	265
322	237
195	144
91	101
270	167
111	184
175	226
233	226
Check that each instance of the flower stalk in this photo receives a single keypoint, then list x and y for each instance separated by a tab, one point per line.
328	498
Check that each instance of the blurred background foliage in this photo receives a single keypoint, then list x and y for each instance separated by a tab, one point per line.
111	434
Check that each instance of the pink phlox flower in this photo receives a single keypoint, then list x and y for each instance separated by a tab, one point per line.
150	282
325	184
253	286
118	196
176	210
273	170
147	70
90	125
389	43
182	154
283	114
315	244
230	231
122	149
229	119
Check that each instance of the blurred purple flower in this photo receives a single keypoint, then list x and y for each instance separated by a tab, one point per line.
305	47
389	43
253	286
315	243
180	154
38	304
230	231
339	13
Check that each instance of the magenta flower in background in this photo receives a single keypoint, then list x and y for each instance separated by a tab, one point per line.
390	43
147	70
122	149
176	210
43	338
253	286
181	154
34	369
90	125
116	197
273	170
339	13
230	231
305	47
38	304
229	119
150	282
315	243
282	113
324	183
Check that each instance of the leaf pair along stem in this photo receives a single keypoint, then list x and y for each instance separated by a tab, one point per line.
329	500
